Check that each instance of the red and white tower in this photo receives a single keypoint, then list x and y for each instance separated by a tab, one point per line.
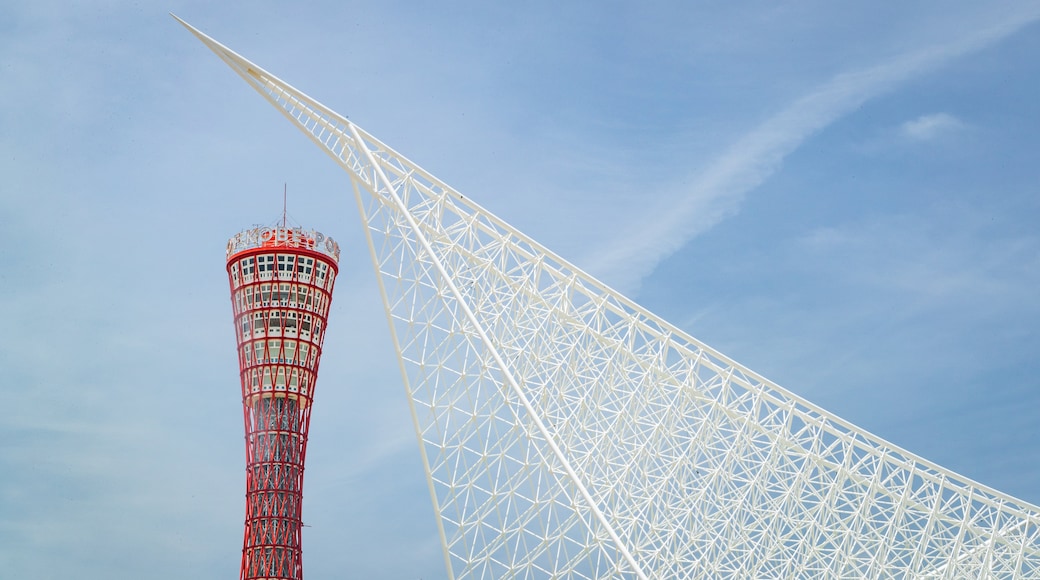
281	286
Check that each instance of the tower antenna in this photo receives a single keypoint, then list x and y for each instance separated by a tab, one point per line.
285	188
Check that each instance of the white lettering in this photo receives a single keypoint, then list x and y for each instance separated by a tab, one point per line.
295	237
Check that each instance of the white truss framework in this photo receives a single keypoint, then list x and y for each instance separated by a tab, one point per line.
566	432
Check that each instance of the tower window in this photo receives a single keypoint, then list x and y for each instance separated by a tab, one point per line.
285	263
265	264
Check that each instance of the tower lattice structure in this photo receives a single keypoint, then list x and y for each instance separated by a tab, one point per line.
281	288
566	432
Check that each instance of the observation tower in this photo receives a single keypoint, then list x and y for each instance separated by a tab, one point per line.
281	287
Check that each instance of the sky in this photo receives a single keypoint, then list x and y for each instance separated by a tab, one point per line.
841	196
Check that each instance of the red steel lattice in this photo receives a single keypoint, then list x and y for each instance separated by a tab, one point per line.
281	287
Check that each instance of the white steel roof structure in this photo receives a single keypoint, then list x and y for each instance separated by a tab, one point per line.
566	432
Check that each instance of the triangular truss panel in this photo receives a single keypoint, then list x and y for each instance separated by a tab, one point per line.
568	433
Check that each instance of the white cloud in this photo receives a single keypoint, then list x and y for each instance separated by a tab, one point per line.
717	192
929	127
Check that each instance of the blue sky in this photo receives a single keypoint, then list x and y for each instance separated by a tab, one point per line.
842	197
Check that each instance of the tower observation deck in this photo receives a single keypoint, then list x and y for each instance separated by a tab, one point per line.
281	287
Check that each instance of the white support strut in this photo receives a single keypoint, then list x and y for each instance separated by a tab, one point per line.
506	373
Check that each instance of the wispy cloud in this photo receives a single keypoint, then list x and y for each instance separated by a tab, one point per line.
929	127
717	192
